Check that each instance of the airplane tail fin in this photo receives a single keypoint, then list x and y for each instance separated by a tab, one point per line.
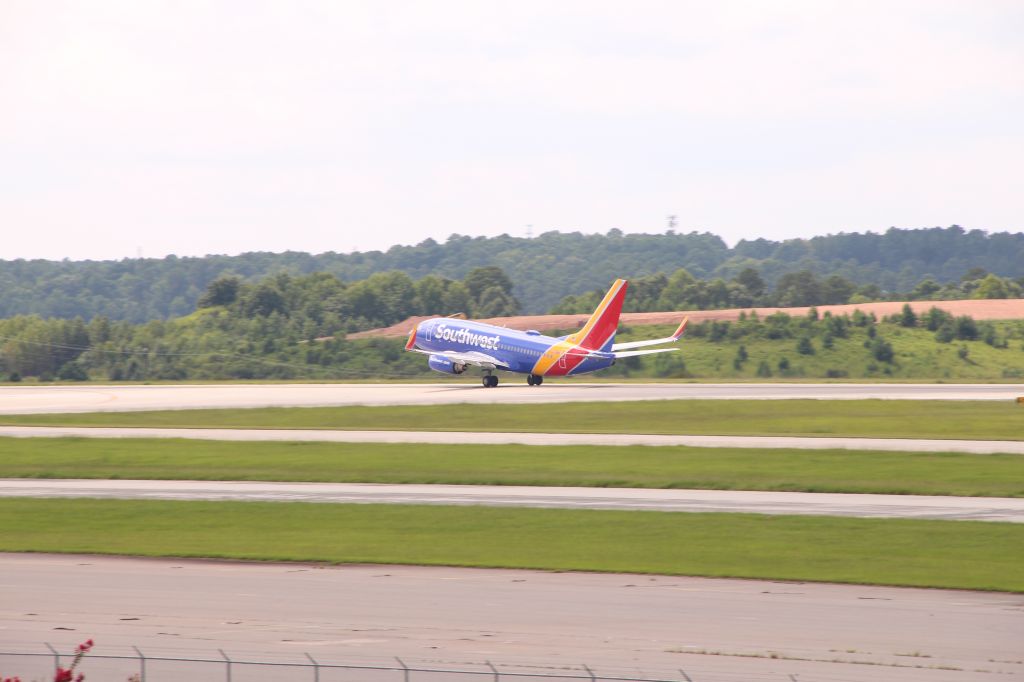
599	331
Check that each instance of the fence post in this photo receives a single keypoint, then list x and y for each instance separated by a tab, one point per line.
316	668
405	669
228	677
685	676
56	657
142	664
593	678
497	675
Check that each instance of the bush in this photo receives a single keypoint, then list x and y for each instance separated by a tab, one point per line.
741	357
804	346
881	350
763	369
907	317
935	318
946	332
966	328
72	371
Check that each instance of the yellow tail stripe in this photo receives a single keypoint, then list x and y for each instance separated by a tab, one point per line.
551	356
605	302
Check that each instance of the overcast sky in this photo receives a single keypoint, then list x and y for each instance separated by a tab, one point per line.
206	127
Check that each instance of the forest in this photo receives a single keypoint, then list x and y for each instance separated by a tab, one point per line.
294	327
544	269
683	291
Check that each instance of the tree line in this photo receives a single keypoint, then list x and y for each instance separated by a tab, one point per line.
748	289
544	269
280	327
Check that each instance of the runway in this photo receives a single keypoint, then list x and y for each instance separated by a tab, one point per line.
482	438
522	621
93	398
622	499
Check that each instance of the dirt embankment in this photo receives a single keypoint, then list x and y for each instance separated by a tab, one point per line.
1001	309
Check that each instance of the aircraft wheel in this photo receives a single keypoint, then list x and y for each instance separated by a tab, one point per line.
494	381
530	381
538	380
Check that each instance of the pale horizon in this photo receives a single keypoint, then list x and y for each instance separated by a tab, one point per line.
195	129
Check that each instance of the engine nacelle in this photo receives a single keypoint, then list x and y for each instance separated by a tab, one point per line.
441	364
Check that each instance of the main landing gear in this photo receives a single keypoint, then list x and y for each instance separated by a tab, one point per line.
534	379
490	381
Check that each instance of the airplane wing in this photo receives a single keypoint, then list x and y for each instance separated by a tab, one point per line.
652	342
470	358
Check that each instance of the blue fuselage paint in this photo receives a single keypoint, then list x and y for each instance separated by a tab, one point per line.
519	350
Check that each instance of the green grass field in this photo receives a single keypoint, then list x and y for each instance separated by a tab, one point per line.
864	418
590	466
916	356
964	554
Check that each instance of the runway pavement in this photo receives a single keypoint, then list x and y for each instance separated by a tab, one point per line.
817	504
465	437
521	621
92	398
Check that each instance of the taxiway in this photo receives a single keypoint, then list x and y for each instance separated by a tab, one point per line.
93	398
500	438
750	502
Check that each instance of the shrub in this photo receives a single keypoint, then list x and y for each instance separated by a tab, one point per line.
907	317
881	350
946	332
966	328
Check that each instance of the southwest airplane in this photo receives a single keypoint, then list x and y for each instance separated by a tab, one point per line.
453	344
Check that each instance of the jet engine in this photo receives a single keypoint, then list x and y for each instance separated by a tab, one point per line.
439	363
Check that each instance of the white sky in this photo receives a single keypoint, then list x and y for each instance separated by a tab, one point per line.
204	127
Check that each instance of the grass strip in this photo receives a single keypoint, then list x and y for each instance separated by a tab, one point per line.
864	418
842	471
950	554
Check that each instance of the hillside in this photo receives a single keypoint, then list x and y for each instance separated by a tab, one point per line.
544	269
1007	309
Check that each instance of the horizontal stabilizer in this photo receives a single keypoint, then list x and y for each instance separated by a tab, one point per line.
653	342
633	353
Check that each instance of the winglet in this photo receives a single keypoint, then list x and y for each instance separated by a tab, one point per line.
411	343
681	329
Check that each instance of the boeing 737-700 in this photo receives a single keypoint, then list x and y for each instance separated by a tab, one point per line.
454	344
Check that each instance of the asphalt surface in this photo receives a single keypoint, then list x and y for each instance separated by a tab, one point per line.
521	621
818	504
467	437
91	398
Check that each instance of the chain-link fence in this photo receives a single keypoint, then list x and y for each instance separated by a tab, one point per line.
41	666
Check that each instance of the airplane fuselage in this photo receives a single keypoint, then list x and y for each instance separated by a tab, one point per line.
527	352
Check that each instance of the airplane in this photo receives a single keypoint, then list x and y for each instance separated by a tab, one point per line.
454	344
